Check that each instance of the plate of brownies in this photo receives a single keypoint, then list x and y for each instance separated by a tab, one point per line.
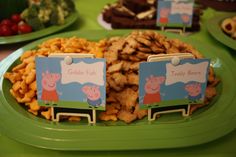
127	14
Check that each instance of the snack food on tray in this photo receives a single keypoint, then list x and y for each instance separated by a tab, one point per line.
123	55
229	26
139	14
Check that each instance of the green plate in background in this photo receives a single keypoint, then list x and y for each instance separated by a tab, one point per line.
37	34
169	131
214	28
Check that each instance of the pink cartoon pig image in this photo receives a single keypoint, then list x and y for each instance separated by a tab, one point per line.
49	86
194	91
152	89
93	95
164	14
185	18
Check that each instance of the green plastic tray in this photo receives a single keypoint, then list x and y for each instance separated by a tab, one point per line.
214	28
37	34
169	131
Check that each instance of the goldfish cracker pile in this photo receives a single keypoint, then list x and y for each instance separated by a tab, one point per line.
23	76
123	55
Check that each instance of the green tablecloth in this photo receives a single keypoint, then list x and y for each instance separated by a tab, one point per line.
89	10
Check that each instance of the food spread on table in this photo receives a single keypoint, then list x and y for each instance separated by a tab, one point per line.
123	55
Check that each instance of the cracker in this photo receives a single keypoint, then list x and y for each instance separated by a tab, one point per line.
140	113
111	109
115	67
119	79
127	98
111	56
126	116
74	118
133	79
107	117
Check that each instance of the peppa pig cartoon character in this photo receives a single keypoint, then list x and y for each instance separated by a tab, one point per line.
164	13
152	89
194	91
49	86
93	95
185	18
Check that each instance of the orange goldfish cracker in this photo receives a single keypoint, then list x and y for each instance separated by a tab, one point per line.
126	116
74	118
47	114
70	50
18	67
24	100
31	77
33	86
33	105
29	67
43	51
26	54
21	72
23	87
107	117
30	94
98	54
27	97
16	86
29	59
16	94
33	112
13	77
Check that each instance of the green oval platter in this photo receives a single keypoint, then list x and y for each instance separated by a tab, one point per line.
169	131
214	28
37	34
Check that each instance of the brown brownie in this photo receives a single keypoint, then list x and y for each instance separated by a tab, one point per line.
107	14
121	11
120	17
124	22
137	6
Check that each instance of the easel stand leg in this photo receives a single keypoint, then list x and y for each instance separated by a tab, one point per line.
90	116
162	28
152	116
